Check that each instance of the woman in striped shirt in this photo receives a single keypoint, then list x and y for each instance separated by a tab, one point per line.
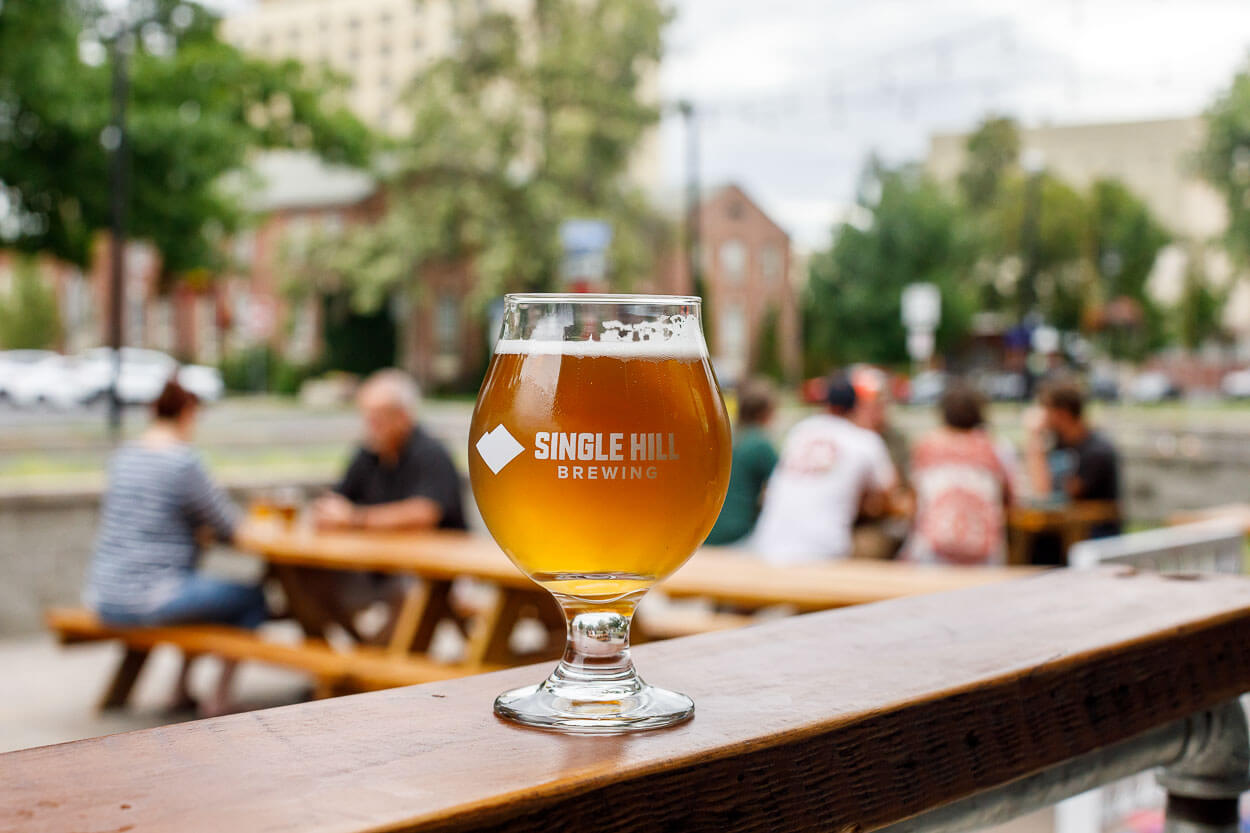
158	501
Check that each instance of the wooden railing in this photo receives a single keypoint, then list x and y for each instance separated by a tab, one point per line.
969	706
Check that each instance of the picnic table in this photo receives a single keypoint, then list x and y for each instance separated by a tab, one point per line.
1071	521
436	559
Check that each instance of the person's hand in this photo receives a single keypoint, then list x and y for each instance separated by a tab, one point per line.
1034	422
332	511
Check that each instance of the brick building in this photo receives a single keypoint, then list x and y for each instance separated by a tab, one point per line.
746	262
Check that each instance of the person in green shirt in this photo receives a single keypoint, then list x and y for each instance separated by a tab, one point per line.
753	462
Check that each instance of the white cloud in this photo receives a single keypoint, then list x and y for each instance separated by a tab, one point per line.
798	93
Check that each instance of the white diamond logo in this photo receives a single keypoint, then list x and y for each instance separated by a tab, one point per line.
498	448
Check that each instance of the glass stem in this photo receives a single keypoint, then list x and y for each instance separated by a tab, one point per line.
597	649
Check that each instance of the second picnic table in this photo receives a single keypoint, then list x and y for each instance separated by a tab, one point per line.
438	558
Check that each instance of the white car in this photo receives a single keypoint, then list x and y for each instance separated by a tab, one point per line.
1236	385
1151	387
143	375
49	382
14	364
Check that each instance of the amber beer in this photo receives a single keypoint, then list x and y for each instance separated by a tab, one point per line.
599	467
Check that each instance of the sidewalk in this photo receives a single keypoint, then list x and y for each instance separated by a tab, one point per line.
51	691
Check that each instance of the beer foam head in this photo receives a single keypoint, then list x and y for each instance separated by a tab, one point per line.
672	337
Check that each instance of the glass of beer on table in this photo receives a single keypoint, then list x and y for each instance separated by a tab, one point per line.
599	457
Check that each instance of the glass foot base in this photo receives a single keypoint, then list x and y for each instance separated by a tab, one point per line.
594	709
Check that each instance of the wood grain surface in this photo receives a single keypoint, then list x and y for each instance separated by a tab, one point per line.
724	574
844	720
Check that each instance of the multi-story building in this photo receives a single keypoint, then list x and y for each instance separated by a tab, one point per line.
382	45
1153	158
749	275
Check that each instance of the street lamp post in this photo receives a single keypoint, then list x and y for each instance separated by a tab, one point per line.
1034	165
118	188
686	108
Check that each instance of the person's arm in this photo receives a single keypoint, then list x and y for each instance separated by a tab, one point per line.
1035	466
434	488
207	505
411	513
335	508
880	480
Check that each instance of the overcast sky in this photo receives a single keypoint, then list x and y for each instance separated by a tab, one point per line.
793	94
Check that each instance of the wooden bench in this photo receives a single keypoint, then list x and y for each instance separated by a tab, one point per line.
967	706
334	671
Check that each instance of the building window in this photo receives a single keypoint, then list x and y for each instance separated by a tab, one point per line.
417	43
733	259
735	210
770	262
733	331
353	23
447	323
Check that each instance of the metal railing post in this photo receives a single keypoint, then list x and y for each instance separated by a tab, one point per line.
1204	785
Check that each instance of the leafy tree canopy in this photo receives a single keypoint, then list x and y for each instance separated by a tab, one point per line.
853	302
28	315
1225	160
511	137
197	108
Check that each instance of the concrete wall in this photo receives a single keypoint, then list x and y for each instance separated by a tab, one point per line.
45	544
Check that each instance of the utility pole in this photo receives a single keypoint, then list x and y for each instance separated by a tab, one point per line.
118	188
692	202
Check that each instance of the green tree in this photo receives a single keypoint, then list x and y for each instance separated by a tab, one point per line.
1197	314
993	150
915	233
768	348
508	141
29	318
1125	239
1225	160
197	108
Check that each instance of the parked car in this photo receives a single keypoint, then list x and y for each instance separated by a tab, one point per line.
143	374
1236	384
49	382
927	387
1104	385
14	364
1152	386
1003	386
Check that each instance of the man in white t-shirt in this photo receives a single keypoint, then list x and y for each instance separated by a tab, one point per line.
830	471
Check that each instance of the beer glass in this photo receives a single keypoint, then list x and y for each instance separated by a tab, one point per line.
599	457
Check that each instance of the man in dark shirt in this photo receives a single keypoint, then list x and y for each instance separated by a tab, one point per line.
1082	465
400	479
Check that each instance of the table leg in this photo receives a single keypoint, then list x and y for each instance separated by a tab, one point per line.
424	606
308	592
1018	545
1074	533
124	678
492	631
